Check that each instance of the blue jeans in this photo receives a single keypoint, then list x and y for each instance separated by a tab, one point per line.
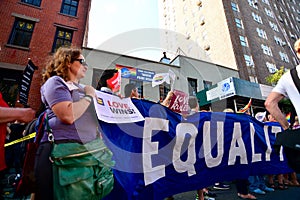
256	182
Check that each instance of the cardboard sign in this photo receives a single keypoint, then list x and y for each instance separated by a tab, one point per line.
113	109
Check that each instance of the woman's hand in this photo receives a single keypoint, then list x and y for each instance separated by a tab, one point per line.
89	90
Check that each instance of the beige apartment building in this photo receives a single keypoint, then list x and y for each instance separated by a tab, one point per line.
255	37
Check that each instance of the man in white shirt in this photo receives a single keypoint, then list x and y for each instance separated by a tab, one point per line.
284	88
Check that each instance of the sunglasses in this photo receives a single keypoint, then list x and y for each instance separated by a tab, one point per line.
81	60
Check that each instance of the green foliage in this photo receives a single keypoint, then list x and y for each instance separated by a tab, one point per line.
274	78
285	104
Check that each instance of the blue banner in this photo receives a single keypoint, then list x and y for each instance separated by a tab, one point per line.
167	154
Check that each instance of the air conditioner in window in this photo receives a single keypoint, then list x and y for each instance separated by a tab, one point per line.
199	3
206	47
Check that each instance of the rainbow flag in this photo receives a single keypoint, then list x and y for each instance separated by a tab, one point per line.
243	110
288	117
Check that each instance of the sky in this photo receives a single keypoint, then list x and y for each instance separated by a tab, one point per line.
120	26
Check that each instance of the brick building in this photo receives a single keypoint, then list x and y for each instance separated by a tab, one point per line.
255	37
35	29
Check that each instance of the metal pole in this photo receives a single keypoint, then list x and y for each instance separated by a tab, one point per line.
235	108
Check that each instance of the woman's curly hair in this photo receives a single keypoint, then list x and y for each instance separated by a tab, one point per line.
58	65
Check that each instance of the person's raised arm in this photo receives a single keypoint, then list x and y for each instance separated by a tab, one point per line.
167	100
271	105
68	111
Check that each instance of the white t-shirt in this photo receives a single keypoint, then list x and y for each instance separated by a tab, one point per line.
286	87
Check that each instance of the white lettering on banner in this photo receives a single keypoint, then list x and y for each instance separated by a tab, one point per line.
256	157
269	148
209	160
180	166
239	150
277	129
151	174
237	147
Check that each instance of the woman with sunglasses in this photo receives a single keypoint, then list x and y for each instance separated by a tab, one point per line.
72	118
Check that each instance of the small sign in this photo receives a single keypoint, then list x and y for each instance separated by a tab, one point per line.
180	102
24	86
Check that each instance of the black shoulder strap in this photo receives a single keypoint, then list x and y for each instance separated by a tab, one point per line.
297	84
295	78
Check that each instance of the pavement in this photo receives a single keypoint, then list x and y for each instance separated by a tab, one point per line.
292	193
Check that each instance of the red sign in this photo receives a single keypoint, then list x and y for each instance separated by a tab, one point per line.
179	102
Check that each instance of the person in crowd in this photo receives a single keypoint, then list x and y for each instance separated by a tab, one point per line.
296	124
72	118
242	184
257	183
14	152
280	177
130	90
221	186
166	102
203	193
7	115
291	179
284	88
109	81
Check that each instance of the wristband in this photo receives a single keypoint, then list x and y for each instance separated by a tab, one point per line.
89	98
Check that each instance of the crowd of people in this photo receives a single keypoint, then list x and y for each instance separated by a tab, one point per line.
72	118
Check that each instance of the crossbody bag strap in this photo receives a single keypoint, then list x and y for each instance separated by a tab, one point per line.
40	132
49	131
296	81
295	78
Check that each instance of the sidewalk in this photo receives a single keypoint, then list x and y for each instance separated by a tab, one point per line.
292	193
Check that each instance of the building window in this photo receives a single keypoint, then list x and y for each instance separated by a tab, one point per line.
284	57
269	13
261	33
253	3
248	60
279	41
69	7
292	25
293	8
292	35
163	91
192	84
32	2
139	85
185	9
21	33
295	61
257	18
266	2
253	79
207	84
281	10
274	26
238	23
234	7
243	41
266	50
63	37
271	67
